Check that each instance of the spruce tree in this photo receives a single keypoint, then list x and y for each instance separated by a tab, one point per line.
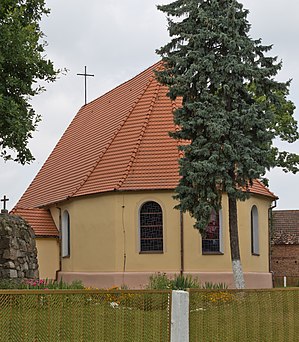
232	109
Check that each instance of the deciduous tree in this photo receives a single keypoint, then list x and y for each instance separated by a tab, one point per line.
22	65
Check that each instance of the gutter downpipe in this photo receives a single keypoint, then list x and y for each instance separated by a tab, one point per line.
60	239
270	232
182	242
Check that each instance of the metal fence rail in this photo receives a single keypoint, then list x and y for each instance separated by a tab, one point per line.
84	315
244	315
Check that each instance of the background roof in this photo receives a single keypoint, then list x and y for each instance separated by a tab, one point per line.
285	227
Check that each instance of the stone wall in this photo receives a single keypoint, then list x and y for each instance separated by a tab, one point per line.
18	253
285	260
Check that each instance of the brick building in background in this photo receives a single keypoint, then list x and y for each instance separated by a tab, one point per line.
285	243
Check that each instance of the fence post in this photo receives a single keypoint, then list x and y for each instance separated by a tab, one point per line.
284	281
179	317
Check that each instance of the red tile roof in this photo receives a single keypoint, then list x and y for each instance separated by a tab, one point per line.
285	226
39	219
259	188
119	141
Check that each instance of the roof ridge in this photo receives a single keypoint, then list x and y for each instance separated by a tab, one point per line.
101	155
153	66
143	129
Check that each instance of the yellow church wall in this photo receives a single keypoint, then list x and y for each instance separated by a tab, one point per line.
93	241
195	260
254	263
48	257
127	213
104	236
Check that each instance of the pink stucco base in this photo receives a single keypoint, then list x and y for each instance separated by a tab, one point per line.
137	280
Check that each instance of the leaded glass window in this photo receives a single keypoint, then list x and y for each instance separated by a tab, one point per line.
151	227
211	240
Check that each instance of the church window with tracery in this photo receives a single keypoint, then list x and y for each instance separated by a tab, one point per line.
151	227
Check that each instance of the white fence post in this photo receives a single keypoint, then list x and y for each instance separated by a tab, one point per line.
180	317
284	281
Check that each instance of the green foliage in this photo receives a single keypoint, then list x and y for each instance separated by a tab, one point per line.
22	65
181	282
6	284
232	108
160	281
214	286
40	284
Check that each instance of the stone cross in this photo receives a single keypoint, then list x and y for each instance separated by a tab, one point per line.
4	200
85	77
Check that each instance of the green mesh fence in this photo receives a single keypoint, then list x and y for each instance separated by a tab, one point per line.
84	315
244	315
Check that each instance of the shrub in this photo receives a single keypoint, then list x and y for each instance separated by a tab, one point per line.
160	281
181	282
10	284
214	286
39	284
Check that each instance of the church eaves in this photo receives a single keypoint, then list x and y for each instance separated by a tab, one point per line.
40	220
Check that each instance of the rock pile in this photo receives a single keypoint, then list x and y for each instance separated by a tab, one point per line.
18	253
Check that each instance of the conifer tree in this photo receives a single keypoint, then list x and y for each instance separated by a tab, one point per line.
232	109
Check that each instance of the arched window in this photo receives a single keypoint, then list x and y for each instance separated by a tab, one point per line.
211	241
254	231
151	227
65	234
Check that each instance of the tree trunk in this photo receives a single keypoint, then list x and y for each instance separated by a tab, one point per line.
234	244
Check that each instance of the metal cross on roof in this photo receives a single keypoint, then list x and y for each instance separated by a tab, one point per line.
4	200
85	83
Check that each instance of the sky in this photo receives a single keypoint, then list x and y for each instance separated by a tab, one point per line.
116	40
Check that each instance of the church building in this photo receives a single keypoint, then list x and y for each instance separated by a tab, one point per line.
102	204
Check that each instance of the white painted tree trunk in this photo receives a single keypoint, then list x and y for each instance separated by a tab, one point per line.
234	244
238	274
